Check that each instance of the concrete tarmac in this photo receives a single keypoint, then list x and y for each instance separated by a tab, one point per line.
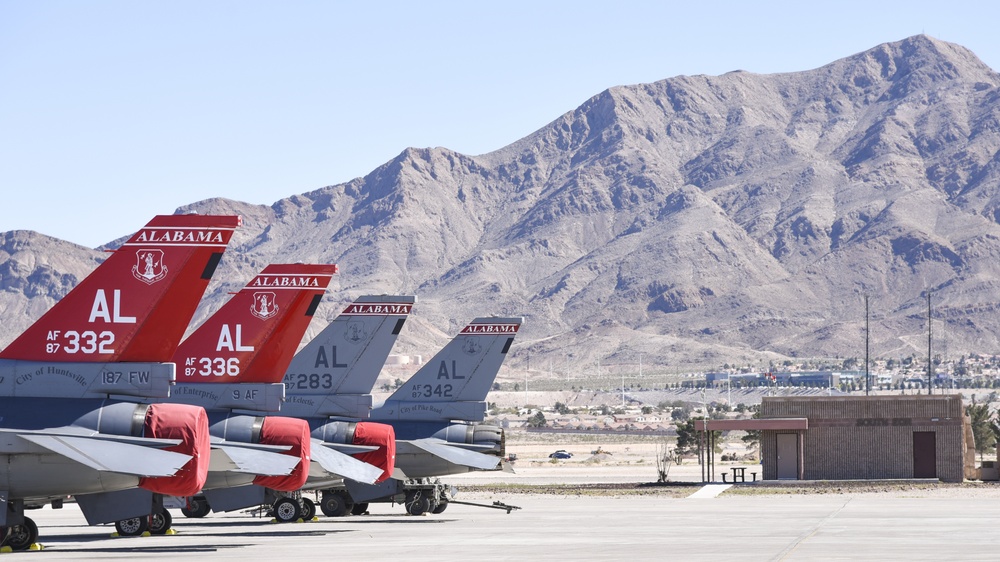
766	527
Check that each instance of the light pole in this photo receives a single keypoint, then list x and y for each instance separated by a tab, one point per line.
868	378
930	364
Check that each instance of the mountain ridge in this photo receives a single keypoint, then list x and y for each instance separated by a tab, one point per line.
697	220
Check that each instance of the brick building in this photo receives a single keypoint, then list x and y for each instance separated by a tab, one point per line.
868	437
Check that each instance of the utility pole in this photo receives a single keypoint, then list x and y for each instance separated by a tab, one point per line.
526	380
868	378
930	365
623	389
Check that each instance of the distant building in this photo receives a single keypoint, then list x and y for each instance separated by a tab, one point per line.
823	379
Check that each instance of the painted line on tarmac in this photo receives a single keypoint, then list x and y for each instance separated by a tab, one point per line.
785	554
710	491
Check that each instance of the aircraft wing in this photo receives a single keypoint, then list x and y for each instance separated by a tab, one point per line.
449	453
110	455
334	463
250	460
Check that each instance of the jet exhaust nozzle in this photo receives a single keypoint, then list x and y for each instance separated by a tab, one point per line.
190	425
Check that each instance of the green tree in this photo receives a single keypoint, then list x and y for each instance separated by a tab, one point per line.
562	409
687	437
537	420
752	438
982	430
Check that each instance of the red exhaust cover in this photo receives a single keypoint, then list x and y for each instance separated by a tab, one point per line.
190	425
378	435
278	430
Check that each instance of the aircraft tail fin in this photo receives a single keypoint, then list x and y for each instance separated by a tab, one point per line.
463	372
255	334
348	355
137	304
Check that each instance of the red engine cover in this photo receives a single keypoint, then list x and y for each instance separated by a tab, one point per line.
378	435
278	430
190	425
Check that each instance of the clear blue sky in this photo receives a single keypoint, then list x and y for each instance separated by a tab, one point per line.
114	111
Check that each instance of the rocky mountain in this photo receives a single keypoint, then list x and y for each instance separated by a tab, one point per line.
697	220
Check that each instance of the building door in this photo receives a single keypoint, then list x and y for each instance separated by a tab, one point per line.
924	455
788	456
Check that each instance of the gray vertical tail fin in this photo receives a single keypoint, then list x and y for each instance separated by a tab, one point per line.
454	384
333	375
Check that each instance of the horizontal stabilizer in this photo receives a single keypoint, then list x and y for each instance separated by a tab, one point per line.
474	447
251	461
219	442
451	454
350	449
111	455
336	463
69	431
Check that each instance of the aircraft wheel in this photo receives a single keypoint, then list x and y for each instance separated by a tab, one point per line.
335	504
159	523
359	509
441	506
286	510
417	503
21	537
308	508
132	527
197	507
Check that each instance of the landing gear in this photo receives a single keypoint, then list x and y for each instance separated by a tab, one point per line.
359	509
197	506
308	508
19	537
159	523
417	503
441	506
336	504
133	526
286	510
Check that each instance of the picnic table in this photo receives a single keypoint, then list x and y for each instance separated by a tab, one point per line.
739	474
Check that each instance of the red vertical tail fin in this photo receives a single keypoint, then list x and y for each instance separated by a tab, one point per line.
253	337
136	305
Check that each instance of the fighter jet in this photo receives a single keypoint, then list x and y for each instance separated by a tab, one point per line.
434	417
259	325
232	365
357	341
71	423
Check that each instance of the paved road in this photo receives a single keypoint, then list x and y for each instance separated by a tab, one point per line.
571	528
